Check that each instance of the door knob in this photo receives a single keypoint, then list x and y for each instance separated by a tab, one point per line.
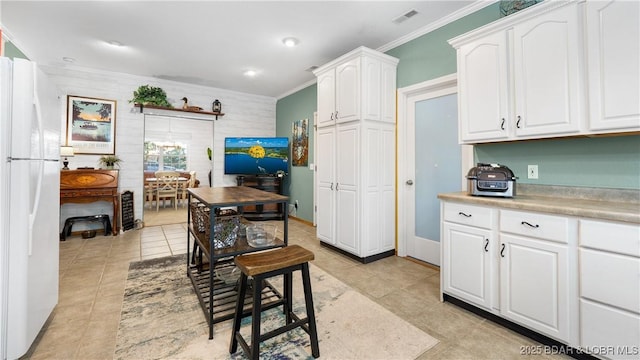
409	182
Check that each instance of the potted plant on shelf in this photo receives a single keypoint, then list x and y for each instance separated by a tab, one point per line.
150	95
109	161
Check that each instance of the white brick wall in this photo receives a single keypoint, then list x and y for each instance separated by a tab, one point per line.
245	115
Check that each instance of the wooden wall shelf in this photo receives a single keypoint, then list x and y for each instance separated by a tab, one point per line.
142	107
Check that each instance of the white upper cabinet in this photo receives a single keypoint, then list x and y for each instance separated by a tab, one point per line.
326	98
519	77
613	59
484	93
359	85
546	74
348	91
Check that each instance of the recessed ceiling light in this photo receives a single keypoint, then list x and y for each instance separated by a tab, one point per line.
115	43
290	41
69	59
250	73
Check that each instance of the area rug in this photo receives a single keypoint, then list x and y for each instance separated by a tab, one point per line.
161	318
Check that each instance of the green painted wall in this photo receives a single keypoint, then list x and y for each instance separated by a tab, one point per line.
561	161
609	162
299	184
430	56
11	51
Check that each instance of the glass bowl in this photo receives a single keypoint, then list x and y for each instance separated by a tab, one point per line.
228	274
261	234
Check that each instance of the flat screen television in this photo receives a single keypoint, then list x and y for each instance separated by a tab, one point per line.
256	155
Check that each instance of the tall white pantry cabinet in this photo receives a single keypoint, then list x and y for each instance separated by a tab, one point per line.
356	154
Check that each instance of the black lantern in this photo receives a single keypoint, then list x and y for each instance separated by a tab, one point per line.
217	106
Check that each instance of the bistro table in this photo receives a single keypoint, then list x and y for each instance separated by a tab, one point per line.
216	297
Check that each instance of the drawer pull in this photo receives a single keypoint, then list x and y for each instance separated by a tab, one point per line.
502	124
528	224
486	245
502	251
518	122
463	214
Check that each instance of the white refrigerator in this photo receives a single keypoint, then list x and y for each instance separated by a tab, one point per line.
29	203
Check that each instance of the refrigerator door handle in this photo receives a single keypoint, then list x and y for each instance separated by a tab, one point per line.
39	122
36	204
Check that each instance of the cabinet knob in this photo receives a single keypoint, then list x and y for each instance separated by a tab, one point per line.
409	182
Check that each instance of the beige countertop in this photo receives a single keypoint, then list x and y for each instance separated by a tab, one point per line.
572	206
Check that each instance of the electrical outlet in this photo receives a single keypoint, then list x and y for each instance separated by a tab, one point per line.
532	171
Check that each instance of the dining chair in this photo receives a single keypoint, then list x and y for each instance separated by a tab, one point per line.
184	185
166	187
149	192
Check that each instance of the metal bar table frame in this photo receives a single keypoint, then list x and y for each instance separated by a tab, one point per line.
203	280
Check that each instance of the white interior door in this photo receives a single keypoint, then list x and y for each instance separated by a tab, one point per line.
430	161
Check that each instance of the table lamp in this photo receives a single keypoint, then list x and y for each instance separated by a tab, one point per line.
66	151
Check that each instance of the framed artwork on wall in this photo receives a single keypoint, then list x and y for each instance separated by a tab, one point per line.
91	125
300	136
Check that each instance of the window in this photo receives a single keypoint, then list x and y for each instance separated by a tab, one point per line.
165	156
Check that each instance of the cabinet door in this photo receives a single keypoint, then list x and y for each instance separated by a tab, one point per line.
388	101
347	189
619	330
371	73
347	91
613	64
467	263
325	162
546	72
326	98
483	89
534	286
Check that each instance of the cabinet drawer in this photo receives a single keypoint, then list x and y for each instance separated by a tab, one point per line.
477	216
610	278
616	329
614	237
548	227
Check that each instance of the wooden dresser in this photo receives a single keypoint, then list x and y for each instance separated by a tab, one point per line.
88	185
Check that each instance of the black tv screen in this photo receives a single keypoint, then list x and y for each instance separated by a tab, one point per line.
256	155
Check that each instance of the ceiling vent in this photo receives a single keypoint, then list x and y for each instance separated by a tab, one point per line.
404	17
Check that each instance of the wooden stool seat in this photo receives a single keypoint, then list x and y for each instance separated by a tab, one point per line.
260	263
260	266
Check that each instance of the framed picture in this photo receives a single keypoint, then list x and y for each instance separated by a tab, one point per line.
91	125
300	136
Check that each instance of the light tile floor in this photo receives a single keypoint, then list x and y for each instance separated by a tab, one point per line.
93	274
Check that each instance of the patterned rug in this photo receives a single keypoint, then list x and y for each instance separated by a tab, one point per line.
162	319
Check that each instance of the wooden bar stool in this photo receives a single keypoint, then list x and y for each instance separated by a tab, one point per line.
263	265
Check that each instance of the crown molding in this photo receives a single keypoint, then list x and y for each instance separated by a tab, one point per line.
478	5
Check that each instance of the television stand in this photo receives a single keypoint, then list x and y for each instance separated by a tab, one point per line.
270	183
